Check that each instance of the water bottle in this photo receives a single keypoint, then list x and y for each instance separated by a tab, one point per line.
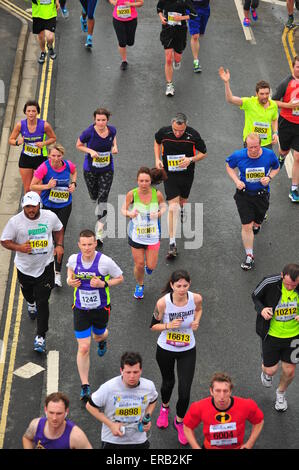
145	420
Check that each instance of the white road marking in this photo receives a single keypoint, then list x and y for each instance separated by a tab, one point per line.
2	358
28	370
289	164
249	36
52	372
276	2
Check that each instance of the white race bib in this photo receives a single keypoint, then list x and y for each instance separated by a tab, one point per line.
123	11
253	175
89	299
102	160
59	195
286	311
261	128
39	243
173	162
170	20
32	150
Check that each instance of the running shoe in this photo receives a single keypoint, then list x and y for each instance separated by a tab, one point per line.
124	65
32	310
85	392
183	215
281	160
52	53
42	58
246	22
83	22
256	230
267	380
290	22
176	65
253	14
58	282
169	89
139	292
162	421
148	270
281	403
102	348
65	12
99	230
88	43
180	429
172	252
196	66
39	344
294	195
248	263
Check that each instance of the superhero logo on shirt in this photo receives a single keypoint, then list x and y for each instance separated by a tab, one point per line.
223	417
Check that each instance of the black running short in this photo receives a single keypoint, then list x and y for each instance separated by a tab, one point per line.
252	208
288	134
178	185
87	320
125	31
39	25
279	349
174	37
31	162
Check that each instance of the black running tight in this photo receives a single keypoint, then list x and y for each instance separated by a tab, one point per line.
250	3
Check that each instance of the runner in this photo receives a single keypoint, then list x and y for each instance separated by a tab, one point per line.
261	113
29	234
290	9
250	6
64	11
56	180
34	132
224	418
125	24
91	274
276	301
287	97
257	167
98	142
176	317
177	144
173	16
197	28
44	14
87	25
125	405
144	206
55	431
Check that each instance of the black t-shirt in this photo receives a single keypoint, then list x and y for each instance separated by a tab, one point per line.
178	6
186	145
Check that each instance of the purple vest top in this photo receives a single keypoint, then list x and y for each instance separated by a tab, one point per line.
36	136
42	442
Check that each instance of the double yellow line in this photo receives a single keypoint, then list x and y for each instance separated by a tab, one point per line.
44	98
288	45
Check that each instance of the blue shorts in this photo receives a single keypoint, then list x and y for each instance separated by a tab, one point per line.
198	25
89	7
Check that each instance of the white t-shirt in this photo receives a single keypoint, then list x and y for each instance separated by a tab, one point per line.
19	229
106	265
126	405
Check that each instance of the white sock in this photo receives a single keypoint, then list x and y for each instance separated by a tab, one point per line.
249	252
172	241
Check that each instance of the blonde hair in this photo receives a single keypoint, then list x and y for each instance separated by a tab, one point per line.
56	146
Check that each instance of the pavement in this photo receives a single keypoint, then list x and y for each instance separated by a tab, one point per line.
81	81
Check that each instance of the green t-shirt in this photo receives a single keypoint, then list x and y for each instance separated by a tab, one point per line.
259	119
282	324
45	9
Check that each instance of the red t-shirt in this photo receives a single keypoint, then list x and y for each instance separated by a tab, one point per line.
223	429
288	90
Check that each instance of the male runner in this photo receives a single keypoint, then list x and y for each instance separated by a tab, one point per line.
197	28
44	13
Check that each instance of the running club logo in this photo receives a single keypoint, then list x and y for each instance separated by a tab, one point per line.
223	417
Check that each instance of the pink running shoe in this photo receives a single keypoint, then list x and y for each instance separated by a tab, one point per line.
181	435
246	22
162	421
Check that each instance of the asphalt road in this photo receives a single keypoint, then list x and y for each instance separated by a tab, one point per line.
226	339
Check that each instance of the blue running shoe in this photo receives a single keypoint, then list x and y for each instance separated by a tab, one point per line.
88	43
65	13
39	344
253	14
83	24
139	292
102	348
85	392
148	270
294	195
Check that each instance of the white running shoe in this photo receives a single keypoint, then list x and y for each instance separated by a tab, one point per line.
176	65
169	89
266	379
281	403
58	282
99	230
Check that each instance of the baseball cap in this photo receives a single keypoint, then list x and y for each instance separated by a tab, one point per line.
31	199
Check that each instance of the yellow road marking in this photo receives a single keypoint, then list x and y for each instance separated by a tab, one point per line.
285	46
16	9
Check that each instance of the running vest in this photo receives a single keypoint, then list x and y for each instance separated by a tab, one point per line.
43	442
283	323
180	339
45	9
85	296
143	229
59	196
29	146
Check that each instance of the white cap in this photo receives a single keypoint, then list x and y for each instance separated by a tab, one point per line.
31	199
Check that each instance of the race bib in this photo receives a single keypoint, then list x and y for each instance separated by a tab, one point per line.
32	150
173	162
295	112
124	11
222	434
102	160
39	244
177	339
286	312
59	195
253	175
171	16
89	299
261	128
147	232
127	410
45	2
